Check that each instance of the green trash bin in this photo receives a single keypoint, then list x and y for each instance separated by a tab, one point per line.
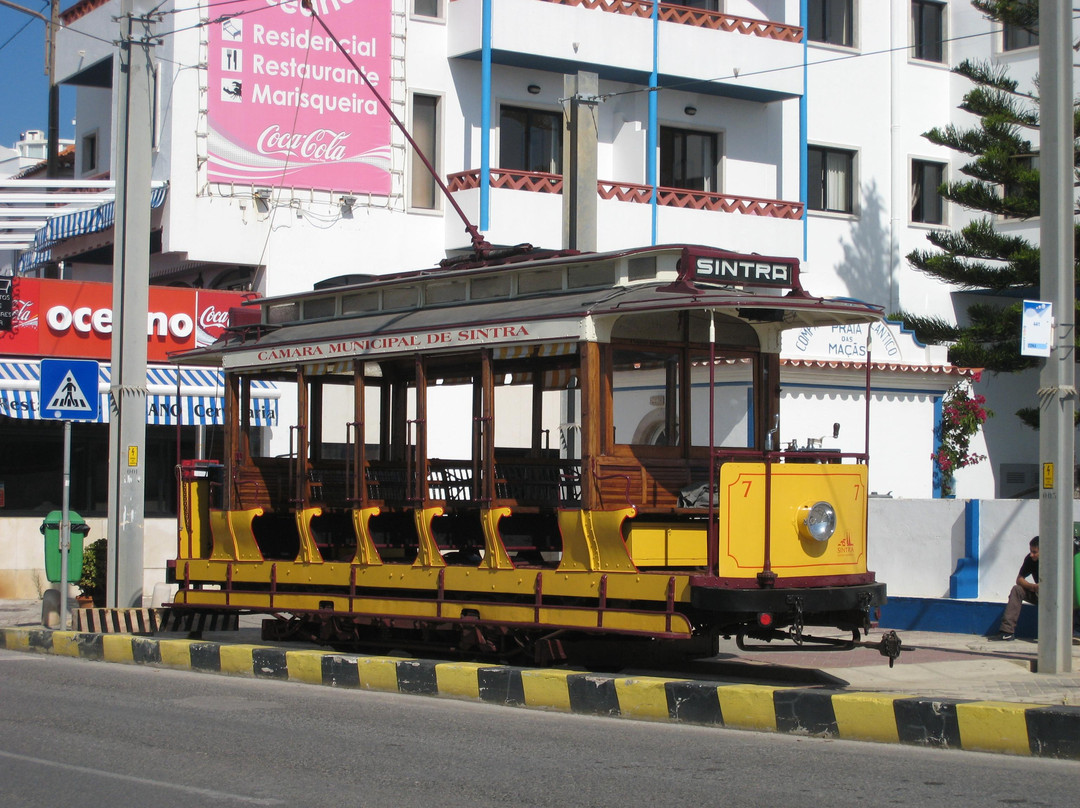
50	529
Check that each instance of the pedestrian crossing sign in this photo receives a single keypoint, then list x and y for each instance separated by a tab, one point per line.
69	390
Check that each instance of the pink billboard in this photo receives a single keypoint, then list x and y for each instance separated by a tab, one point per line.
285	106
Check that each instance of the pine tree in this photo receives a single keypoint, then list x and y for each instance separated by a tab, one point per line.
1001	179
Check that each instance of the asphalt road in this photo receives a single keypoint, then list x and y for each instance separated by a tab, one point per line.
77	733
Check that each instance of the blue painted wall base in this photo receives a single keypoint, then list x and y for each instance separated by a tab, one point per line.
953	616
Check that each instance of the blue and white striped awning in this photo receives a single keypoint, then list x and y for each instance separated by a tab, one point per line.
79	223
188	396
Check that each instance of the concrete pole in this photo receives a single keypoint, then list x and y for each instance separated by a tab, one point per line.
131	278
1057	391
579	163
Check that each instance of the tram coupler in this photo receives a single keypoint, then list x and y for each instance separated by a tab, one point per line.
890	646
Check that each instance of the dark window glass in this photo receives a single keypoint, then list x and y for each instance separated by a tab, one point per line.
425	119
831	179
704	5
426	8
831	21
1014	38
927	206
530	140
688	160
928	30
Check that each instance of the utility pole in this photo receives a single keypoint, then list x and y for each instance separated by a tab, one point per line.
52	165
579	163
52	25
131	280
1057	381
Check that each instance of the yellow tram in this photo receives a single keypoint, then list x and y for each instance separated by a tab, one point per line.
504	455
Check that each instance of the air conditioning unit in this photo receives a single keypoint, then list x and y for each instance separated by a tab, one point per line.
1018	481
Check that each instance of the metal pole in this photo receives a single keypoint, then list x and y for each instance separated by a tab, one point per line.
131	271
1057	392
65	526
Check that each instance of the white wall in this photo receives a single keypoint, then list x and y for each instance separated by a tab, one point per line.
22	555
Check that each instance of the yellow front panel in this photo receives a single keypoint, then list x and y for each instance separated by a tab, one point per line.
655	544
742	519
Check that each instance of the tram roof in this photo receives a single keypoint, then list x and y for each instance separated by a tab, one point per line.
557	297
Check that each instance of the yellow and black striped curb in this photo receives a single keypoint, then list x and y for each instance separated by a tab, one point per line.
988	726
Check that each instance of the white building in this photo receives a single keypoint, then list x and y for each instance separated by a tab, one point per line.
786	127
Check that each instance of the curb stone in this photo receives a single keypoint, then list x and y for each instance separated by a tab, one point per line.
986	726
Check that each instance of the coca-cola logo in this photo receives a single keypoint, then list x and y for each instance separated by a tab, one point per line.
212	322
24	316
323	145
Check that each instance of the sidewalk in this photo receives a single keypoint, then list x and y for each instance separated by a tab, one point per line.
946	690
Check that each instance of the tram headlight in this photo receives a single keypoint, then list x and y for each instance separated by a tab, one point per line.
817	521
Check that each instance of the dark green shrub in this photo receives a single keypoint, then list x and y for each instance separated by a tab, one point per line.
95	563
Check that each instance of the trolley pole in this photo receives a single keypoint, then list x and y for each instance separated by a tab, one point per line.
131	281
1057	390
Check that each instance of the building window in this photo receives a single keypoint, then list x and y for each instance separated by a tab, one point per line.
423	192
704	5
427	8
1013	37
928	30
927	206
831	180
530	140
831	22
689	160
88	153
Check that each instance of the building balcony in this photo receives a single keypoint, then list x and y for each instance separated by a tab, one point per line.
527	207
730	55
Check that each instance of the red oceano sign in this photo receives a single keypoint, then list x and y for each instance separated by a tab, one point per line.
75	319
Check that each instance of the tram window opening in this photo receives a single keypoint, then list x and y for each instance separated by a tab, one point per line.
450	418
403	298
283	313
646	393
641	269
585	277
545	280
444	292
487	288
320	308
732	400
356	304
273	442
335	412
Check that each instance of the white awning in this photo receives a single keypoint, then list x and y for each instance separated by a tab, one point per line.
189	396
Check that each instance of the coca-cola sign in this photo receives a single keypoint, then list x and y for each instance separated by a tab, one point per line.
288	106
74	319
323	145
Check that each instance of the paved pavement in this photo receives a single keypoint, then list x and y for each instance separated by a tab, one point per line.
945	690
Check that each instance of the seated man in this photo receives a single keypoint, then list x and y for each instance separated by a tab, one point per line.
1023	590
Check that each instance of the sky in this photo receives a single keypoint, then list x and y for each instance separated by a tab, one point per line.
24	90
